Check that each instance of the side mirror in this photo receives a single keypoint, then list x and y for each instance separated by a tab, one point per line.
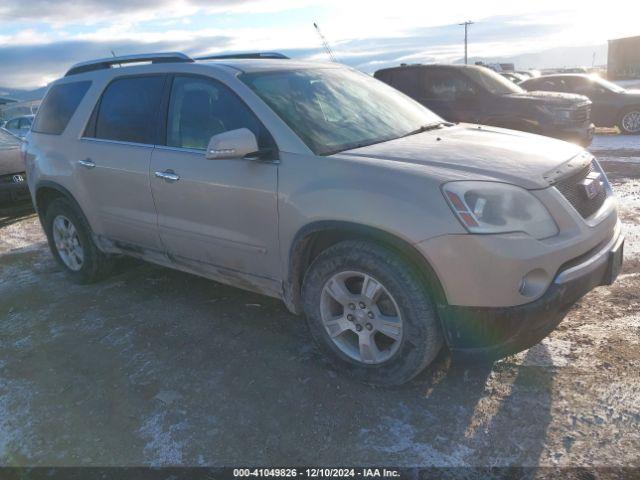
232	144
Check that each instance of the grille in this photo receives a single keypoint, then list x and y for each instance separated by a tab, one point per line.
582	114
570	188
9	178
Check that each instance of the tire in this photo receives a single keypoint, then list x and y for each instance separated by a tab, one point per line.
629	121
94	264
402	298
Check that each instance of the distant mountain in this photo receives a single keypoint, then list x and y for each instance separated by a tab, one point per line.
553	58
23	95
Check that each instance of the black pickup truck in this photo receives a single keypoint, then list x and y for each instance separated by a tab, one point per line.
476	94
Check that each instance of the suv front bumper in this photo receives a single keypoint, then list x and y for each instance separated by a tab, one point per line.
497	332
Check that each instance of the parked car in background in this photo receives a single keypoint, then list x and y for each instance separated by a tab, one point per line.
13	181
514	77
613	106
529	73
393	231
476	94
19	126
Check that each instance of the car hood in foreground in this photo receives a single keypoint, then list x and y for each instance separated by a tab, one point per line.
484	153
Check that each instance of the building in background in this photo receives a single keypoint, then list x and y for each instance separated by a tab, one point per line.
624	58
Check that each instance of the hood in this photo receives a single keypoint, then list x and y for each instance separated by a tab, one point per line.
551	98
471	152
10	157
633	92
10	160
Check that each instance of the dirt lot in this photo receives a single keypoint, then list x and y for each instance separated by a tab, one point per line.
156	367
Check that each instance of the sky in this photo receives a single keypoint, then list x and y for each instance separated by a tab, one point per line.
40	39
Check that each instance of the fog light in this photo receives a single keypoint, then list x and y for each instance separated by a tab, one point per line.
533	283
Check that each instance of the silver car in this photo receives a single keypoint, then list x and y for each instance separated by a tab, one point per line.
19	126
13	184
394	232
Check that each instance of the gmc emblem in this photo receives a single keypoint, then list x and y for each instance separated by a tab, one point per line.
592	186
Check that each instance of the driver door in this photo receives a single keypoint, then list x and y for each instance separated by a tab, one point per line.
218	217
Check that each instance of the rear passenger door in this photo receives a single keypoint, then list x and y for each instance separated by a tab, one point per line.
114	157
218	216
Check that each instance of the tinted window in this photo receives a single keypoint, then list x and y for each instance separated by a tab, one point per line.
7	140
128	111
491	81
59	106
200	108
448	86
407	81
13	124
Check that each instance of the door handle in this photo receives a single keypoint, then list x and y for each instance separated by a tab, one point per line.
168	175
87	163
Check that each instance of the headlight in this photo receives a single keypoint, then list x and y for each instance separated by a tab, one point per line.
558	114
492	207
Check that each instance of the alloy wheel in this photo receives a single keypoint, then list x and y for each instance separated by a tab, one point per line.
67	242
361	317
631	121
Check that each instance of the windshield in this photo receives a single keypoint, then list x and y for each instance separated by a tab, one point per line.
336	109
608	85
8	140
494	83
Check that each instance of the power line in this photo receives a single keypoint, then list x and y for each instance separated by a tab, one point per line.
325	44
466	36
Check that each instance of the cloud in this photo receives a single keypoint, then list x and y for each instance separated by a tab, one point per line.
96	11
40	39
31	66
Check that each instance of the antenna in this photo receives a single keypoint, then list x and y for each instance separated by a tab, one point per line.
325	44
466	29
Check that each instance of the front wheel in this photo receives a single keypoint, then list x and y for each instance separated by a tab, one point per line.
629	122
370	313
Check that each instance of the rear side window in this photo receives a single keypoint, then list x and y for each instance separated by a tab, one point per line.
447	86
407	80
59	106
128	110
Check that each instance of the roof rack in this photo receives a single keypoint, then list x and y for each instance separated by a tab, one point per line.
252	55
106	63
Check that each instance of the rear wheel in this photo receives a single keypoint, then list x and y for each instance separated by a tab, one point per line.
370	313
629	122
71	243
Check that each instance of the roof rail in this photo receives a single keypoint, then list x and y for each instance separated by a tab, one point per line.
253	55
106	63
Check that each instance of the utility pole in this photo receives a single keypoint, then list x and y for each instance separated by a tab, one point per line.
466	36
325	44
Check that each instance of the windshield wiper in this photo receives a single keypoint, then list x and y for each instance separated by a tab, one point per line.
424	128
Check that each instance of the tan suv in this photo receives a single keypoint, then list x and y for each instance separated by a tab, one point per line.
394	232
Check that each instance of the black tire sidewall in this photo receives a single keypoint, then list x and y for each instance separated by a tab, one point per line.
92	265
422	338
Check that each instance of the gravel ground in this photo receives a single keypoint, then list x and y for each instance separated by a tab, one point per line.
157	367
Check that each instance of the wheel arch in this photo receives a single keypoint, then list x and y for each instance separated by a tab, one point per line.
47	191
314	238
